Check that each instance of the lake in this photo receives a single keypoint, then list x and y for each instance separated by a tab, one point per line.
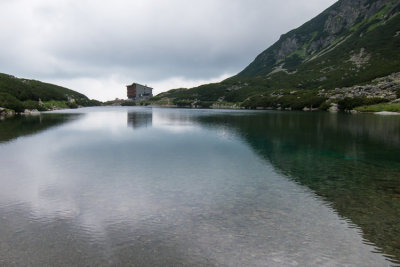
135	186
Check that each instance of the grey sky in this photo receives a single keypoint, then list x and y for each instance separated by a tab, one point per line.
97	47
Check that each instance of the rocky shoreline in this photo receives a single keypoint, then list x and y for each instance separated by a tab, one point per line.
5	113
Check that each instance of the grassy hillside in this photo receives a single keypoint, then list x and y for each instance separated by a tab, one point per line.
19	94
350	43
24	89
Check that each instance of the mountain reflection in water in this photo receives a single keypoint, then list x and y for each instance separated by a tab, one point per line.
176	187
14	127
352	161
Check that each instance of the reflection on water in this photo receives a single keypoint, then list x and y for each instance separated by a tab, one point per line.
351	161
140	119
14	127
197	187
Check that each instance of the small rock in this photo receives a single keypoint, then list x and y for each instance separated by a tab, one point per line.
333	108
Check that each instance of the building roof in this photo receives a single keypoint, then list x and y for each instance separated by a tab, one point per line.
140	85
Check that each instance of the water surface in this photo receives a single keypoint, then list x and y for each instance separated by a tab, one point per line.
172	187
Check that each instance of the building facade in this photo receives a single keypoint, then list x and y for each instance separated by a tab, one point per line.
137	91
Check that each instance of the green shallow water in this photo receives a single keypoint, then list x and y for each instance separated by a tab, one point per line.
176	187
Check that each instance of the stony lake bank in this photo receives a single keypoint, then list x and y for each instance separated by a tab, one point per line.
380	94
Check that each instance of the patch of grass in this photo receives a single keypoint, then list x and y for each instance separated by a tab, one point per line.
55	104
161	101
128	103
24	89
351	103
30	104
392	107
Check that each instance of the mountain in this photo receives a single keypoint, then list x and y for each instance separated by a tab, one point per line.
351	43
351	36
18	94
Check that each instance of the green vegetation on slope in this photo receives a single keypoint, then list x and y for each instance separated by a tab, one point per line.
20	94
11	102
333	50
391	107
33	90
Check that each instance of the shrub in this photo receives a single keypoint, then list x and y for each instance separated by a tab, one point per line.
155	98
128	103
325	105
182	103
350	103
204	104
11	102
260	101
314	101
72	105
144	103
87	102
31	104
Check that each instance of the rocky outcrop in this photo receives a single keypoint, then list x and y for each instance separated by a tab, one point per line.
31	112
337	23
343	17
6	113
386	88
361	58
287	47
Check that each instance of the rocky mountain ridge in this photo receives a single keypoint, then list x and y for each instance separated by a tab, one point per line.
322	34
349	45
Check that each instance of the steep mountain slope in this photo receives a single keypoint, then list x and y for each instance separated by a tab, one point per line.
351	43
347	25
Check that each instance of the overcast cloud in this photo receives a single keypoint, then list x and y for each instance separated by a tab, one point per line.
97	47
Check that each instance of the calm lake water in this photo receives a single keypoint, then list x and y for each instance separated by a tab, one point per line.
175	187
